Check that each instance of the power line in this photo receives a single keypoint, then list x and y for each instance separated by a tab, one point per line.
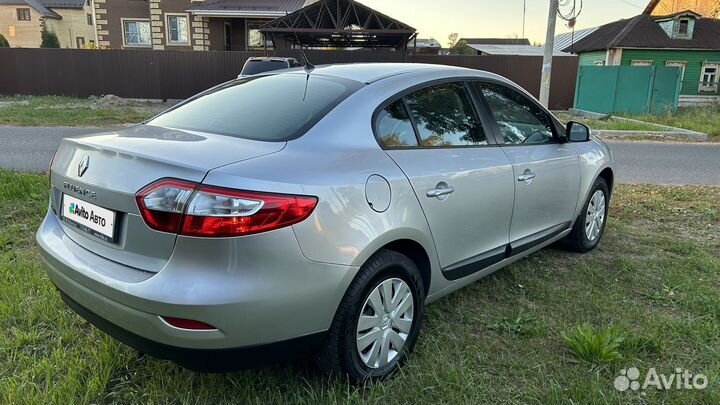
630	4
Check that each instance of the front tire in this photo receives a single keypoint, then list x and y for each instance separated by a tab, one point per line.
590	224
378	321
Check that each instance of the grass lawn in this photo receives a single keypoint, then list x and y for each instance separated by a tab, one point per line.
655	280
68	111
608	123
701	119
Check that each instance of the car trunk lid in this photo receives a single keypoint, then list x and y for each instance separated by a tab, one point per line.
107	170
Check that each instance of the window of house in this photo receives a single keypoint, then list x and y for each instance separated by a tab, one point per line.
709	77
683	29
177	29
89	19
23	14
641	63
254	36
444	116
136	33
599	63
679	64
521	121
80	42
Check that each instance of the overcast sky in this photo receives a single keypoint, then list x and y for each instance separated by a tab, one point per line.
496	18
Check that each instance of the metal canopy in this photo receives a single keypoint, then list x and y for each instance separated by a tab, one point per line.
340	24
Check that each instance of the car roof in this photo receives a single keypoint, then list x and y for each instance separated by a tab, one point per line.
373	72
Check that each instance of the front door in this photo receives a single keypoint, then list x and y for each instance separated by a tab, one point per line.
464	181
546	172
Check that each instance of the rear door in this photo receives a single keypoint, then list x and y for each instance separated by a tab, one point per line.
546	171
463	180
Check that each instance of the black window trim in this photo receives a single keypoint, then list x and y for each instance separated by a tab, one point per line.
485	119
555	127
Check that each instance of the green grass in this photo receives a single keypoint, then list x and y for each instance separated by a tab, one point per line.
608	124
700	119
654	280
64	111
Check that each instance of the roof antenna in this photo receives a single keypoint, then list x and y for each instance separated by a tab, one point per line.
309	67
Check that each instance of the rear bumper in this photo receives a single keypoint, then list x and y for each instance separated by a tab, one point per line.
256	291
205	360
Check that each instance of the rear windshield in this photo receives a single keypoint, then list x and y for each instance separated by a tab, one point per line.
258	66
264	108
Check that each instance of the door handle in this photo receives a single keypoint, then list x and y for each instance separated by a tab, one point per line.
441	190
527	175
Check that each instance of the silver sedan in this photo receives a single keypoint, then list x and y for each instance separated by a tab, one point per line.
314	211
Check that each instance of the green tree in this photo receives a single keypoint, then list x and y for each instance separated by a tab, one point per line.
3	42
49	39
452	39
459	47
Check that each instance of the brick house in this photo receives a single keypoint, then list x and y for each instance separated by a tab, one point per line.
188	24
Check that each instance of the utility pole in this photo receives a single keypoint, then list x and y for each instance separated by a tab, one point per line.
524	8
548	55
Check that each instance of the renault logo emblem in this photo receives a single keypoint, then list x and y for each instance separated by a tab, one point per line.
83	166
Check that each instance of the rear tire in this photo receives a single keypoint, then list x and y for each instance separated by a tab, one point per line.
590	224
385	330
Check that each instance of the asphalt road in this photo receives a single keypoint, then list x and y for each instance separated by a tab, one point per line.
31	148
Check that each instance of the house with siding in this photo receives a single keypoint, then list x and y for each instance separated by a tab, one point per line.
21	22
684	39
217	25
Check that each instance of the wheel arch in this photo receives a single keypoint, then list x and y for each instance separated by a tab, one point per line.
417	253
609	177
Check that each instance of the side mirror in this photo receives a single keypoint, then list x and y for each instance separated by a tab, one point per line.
577	132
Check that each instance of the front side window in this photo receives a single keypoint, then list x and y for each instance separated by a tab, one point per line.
264	108
444	116
519	119
136	33
23	14
394	128
641	63
177	26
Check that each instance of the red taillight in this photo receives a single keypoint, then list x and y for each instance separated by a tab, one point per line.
187	323
206	211
162	203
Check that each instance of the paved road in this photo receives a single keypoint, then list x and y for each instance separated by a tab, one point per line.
666	163
31	148
636	162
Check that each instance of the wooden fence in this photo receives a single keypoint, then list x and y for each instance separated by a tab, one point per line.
180	74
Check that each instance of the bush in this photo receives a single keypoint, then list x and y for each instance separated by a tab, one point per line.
3	42
49	39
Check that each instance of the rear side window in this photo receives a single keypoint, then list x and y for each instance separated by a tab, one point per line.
394	127
264	108
444	116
